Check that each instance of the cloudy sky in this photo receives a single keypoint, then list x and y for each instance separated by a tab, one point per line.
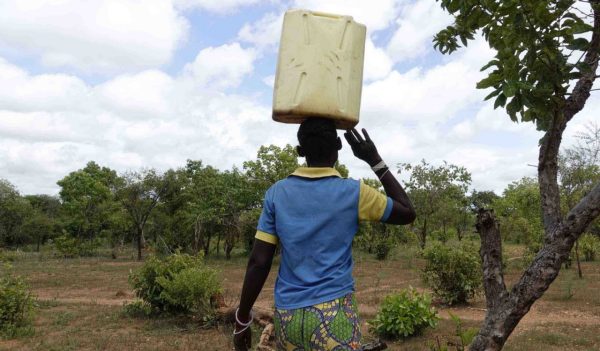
132	84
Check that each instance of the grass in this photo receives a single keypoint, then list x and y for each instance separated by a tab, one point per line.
81	302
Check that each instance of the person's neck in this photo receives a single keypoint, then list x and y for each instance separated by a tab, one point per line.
320	164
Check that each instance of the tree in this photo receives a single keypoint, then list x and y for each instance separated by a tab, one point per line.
520	212
140	194
430	187
545	66
88	198
272	163
481	200
43	222
14	209
220	202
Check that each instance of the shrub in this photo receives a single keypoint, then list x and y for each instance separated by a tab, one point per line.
443	236
590	247
178	283
70	247
453	273
137	309
16	306
404	314
383	248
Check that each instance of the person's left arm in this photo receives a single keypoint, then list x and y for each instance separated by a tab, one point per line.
259	266
257	272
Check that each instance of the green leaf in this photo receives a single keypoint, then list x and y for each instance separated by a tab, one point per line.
493	93
500	101
490	64
492	80
509	89
580	44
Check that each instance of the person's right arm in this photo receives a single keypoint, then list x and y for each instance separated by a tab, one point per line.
364	149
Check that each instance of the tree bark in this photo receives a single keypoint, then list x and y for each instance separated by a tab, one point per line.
579	272
140	238
423	236
505	310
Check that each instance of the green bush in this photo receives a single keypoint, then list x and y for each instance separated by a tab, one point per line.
383	248
16	306
70	247
453	273
443	236
137	309
178	283
404	314
590	247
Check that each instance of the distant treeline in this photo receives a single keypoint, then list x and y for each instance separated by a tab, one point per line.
200	208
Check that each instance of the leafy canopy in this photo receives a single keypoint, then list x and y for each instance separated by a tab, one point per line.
540	46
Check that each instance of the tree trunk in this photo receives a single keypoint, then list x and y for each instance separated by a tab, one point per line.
207	237
140	238
423	236
506	309
578	261
218	244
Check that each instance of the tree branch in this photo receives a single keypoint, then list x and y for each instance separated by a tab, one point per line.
491	259
549	148
548	173
580	217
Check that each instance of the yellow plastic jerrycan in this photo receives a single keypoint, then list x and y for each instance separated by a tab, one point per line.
320	68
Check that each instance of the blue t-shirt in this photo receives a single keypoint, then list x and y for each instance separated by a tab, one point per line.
314	214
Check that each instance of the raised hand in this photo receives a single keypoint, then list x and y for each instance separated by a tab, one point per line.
363	149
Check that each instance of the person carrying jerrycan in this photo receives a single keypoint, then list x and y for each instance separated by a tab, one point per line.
313	215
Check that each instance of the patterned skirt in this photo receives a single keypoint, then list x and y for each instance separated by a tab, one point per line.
329	326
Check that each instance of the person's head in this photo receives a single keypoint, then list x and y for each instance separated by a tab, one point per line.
319	142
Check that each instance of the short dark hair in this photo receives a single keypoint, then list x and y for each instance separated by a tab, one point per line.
318	138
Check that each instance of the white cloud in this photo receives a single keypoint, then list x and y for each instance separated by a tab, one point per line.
264	33
376	15
221	67
217	6
153	92
417	24
377	63
46	92
93	36
147	119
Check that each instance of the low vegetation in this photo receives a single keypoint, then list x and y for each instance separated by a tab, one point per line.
404	314
452	272
177	283
16	305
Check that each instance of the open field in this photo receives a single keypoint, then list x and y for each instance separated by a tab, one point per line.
80	304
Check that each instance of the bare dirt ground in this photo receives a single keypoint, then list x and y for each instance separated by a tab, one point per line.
80	308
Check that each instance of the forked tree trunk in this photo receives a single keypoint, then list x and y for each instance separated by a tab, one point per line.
506	309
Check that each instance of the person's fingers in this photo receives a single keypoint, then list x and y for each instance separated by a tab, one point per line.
350	138
357	135
367	137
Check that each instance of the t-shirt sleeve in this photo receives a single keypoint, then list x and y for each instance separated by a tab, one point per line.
266	230
373	205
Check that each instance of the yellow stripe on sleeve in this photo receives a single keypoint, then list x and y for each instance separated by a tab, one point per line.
371	203
270	238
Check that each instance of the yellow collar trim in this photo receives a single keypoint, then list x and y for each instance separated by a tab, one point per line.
316	172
